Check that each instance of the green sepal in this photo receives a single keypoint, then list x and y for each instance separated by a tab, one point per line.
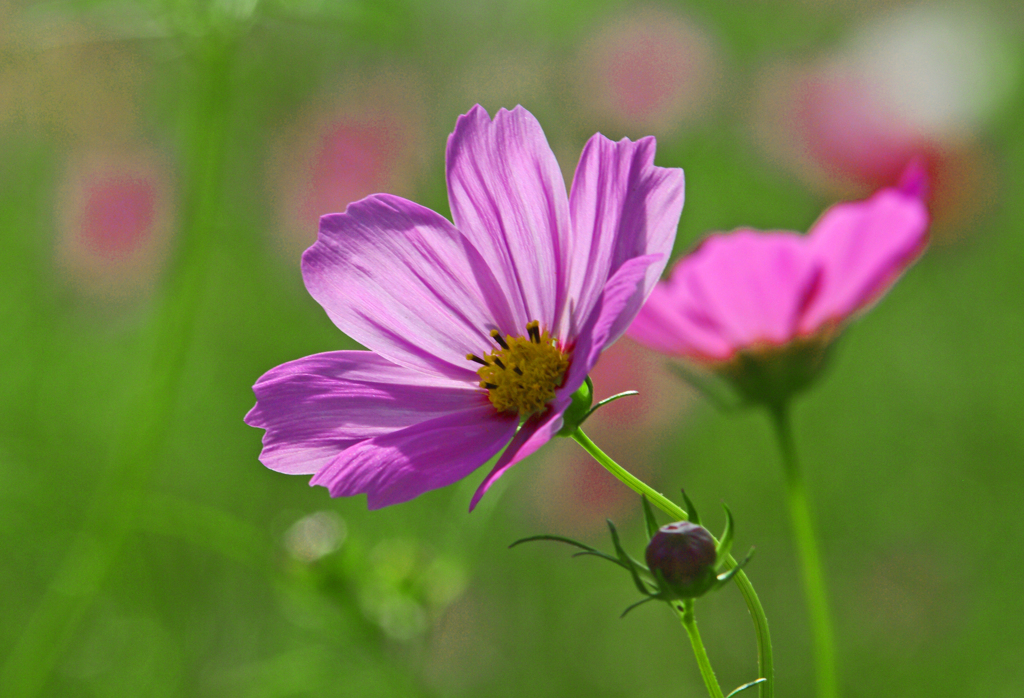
725	544
641	602
649	520
578	410
714	388
587	550
746	686
691	510
613	398
627	561
724	578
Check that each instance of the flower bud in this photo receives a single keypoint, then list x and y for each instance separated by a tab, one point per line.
682	556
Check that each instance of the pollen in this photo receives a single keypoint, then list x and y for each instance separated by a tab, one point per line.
523	373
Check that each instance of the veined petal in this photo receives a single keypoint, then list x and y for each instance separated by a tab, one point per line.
531	436
401	280
508	197
754	286
863	247
608	319
401	465
316	407
621	207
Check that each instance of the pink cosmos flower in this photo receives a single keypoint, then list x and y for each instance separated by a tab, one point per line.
744	302
481	331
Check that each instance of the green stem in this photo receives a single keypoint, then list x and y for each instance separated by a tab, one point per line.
686	617
118	497
810	558
764	641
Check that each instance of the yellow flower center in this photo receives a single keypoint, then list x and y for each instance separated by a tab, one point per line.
523	373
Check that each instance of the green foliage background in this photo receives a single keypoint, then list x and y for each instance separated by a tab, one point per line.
144	545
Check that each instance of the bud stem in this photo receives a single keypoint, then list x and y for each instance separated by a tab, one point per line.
686	617
810	557
764	641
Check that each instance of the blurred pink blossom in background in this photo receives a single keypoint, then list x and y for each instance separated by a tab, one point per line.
362	142
114	221
917	82
647	70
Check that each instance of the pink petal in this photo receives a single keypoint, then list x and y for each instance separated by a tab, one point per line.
621	207
531	436
672	323
508	197
607	320
862	248
316	407
399	466
399	279
752	287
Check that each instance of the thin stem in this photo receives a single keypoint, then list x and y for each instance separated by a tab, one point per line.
686	617
810	559
764	641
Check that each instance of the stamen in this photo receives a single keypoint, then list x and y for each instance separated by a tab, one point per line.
524	373
496	336
474	357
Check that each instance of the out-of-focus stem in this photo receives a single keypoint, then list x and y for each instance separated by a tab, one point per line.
120	489
811	569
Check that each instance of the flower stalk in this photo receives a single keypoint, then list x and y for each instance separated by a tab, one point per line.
764	643
811	569
685	610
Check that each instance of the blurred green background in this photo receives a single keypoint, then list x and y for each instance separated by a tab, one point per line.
162	166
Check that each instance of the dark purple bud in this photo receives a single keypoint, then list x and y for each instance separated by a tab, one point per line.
684	555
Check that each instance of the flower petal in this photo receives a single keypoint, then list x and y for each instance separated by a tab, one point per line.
671	322
399	279
621	207
404	464
318	406
863	247
508	197
530	437
607	320
752	286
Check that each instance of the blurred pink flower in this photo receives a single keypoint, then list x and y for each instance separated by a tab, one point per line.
650	70
916	82
751	296
115	221
481	331
343	151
